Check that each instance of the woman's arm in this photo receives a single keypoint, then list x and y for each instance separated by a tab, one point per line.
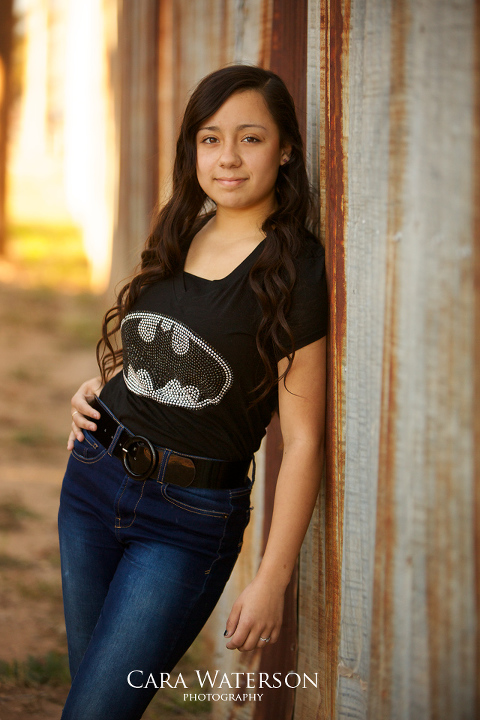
258	610
82	412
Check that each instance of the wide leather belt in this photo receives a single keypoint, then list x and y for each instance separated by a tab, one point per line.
142	459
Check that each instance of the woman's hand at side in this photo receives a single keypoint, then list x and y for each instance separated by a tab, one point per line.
257	613
302	420
82	412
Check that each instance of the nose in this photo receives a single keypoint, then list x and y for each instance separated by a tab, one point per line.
229	156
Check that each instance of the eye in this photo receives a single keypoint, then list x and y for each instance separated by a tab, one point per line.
250	139
209	140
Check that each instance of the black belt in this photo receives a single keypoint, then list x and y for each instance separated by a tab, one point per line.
142	459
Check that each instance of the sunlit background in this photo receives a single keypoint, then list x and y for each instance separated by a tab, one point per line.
57	175
57	146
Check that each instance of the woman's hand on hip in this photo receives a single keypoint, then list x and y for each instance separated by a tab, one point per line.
82	412
257	613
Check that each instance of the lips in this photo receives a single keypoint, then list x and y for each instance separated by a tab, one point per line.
230	182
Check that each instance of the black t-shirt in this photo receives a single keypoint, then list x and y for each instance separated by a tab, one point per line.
190	359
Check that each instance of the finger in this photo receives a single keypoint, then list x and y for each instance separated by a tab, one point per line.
245	636
232	621
77	433
82	407
250	642
239	637
82	422
70	441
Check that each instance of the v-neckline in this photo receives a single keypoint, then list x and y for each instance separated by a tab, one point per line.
205	284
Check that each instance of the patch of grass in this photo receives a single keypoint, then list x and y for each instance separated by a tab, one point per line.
27	374
41	590
32	435
34	671
52	556
12	514
8	562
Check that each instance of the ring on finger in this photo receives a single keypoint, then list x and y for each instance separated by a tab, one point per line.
75	411
265	639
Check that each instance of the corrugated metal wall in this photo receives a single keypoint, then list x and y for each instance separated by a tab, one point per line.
388	591
408	618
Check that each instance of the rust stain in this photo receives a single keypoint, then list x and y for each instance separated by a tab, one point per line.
289	51
476	404
382	637
287	58
336	24
265	35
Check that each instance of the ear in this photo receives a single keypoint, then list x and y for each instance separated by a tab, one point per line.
285	154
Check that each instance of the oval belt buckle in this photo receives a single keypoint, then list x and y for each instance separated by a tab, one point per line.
139	465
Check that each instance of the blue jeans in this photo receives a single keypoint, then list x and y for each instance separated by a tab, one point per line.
143	566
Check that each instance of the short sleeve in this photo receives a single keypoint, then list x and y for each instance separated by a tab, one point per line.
308	315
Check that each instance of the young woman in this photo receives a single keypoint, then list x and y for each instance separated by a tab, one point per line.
224	323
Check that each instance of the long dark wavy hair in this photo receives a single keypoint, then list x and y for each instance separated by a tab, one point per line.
272	277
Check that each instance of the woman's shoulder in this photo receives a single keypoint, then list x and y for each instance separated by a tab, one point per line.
310	259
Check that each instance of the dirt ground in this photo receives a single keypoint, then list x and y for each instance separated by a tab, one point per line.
47	340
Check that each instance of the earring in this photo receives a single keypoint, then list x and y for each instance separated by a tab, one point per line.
285	159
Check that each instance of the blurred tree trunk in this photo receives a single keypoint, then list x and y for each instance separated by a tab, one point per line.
6	35
138	28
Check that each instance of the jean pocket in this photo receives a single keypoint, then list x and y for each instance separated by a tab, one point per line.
199	501
89	450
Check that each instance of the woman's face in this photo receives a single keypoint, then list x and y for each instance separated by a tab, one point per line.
239	153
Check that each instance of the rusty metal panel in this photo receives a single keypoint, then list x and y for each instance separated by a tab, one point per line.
423	615
365	252
407	635
320	584
312	581
476	335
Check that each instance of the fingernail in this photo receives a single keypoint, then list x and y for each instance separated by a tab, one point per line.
225	633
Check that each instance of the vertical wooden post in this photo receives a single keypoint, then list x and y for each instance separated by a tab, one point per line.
138	132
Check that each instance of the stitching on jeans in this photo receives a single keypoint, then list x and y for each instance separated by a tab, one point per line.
88	461
220	544
134	509
188	614
190	508
92	444
159	478
115	440
241	492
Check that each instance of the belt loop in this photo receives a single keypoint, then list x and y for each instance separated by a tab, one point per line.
163	466
115	439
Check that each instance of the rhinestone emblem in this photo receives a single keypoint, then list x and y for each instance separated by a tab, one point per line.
164	360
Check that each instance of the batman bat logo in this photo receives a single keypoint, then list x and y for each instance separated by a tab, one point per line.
164	360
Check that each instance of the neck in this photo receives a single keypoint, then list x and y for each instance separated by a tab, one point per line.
233	223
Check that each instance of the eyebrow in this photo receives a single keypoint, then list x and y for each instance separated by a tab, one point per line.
215	128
